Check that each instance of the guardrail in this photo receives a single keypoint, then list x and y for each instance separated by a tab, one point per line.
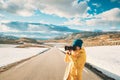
98	72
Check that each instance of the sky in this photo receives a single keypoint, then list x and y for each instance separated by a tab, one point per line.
22	17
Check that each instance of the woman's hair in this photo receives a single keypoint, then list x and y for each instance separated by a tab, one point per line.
77	42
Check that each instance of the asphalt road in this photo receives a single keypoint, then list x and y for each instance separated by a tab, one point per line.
46	66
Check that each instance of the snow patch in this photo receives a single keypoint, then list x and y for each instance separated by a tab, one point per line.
11	55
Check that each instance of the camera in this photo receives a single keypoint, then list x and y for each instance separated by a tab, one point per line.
69	48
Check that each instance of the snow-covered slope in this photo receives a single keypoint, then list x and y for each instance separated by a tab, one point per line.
11	55
105	58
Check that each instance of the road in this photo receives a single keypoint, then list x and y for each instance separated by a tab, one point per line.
46	66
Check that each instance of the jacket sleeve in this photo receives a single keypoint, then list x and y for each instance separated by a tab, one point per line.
67	58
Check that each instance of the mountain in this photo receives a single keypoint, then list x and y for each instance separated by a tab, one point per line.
26	40
94	38
7	39
86	34
15	40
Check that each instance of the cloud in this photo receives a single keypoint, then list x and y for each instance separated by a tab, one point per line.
62	8
75	21
4	28
96	4
5	21
41	28
111	15
21	7
44	22
113	28
1	15
109	20
106	18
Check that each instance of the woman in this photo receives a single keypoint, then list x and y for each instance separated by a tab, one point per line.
76	59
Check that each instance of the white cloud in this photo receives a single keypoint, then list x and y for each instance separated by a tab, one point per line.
62	8
24	13
1	1
33	27
75	21
44	22
1	15
106	18
40	28
21	7
55	32
113	28
111	15
97	5
5	21
4	28
109	19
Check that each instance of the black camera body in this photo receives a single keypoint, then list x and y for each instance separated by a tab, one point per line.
69	48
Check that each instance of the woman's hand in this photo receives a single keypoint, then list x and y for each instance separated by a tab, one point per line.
68	52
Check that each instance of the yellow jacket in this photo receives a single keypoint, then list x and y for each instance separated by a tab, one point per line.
76	62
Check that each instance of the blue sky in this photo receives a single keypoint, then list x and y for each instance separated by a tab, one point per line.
85	15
